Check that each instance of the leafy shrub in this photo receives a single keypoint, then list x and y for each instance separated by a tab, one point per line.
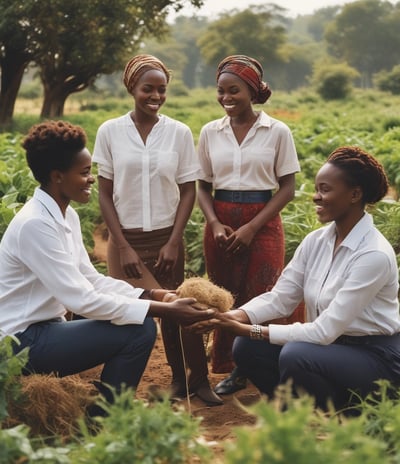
389	80
299	434
138	432
334	81
10	368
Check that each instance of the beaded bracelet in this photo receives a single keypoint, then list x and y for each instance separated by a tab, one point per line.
256	332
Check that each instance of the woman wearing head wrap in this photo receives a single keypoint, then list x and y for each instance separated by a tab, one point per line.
147	169
249	163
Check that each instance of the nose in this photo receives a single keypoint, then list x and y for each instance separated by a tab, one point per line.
91	179
316	197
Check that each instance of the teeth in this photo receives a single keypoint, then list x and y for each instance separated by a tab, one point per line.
229	107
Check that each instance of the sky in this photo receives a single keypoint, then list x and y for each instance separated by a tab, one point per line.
211	8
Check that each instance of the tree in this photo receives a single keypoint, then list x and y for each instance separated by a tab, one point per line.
256	31
366	34
15	54
73	41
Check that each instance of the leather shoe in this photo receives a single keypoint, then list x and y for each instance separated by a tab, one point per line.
205	393
231	384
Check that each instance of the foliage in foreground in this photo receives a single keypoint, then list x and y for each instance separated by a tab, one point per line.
300	434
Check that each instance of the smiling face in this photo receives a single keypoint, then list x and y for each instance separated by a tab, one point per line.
75	184
150	92
335	199
233	95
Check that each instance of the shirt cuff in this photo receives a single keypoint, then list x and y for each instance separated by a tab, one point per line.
135	314
279	334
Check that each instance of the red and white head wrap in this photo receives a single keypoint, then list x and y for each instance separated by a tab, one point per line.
250	71
138	65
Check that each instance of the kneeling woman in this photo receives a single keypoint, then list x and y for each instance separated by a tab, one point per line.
347	274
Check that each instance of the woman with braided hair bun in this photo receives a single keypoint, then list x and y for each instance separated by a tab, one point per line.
248	162
347	274
148	167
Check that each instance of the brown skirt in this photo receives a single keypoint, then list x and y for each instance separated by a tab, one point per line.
147	245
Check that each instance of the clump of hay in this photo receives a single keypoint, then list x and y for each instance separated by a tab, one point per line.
206	293
51	405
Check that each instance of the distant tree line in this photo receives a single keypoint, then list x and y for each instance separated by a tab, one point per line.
71	43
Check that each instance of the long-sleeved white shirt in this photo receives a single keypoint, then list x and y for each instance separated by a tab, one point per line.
45	270
146	176
353	292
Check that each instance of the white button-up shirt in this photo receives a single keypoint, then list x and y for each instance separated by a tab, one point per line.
146	176
45	269
266	154
351	292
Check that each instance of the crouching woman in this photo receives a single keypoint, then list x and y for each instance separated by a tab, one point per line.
45	270
347	274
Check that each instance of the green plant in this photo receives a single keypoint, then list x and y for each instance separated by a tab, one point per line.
135	431
334	81
195	264
11	366
299	434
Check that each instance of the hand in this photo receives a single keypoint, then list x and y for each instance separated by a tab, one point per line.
230	320
130	262
221	234
183	311
167	259
240	239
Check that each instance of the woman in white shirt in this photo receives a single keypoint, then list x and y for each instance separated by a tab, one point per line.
347	275
248	162
45	271
147	172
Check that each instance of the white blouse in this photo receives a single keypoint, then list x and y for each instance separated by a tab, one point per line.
351	292
146	176
266	154
45	270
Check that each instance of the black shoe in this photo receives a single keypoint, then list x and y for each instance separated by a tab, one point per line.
206	394
231	384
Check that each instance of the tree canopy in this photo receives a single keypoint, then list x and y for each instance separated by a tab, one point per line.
72	42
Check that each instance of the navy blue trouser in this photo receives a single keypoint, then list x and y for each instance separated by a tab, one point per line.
70	347
323	371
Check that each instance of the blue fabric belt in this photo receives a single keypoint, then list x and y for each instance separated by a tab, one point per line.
243	196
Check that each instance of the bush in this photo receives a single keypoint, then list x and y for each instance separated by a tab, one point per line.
389	81
144	433
334	81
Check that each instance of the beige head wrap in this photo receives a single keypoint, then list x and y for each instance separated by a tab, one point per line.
138	65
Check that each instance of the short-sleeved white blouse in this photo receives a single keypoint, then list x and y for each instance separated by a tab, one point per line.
146	176
266	154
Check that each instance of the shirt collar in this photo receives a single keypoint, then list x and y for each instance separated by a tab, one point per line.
357	233
51	205
263	120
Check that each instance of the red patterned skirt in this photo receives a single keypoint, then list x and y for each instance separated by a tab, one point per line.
245	274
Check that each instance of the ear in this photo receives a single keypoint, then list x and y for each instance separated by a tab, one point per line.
356	195
56	177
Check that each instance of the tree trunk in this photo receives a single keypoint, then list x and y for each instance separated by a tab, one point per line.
54	102
12	72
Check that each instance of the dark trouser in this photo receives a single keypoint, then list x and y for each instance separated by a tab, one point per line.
323	371
70	347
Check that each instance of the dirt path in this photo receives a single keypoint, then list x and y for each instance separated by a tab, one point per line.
218	422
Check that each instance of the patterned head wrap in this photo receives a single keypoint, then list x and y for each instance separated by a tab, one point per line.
250	71
138	65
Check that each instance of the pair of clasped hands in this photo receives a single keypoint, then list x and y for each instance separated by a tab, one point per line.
232	241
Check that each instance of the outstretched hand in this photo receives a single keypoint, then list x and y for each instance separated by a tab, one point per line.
184	312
